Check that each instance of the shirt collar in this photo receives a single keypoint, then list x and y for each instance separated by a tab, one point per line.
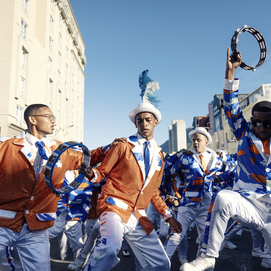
141	140
32	139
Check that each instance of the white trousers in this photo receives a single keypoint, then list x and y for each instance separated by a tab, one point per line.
186	215
112	231
32	247
72	229
230	204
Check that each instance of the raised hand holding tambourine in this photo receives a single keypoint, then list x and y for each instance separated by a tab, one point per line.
261	42
52	162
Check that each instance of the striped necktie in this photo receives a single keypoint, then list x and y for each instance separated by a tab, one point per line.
41	148
147	158
203	163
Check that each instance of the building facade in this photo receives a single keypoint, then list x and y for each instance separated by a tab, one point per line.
42	61
177	135
247	101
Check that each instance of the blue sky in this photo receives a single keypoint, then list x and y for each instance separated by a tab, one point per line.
182	43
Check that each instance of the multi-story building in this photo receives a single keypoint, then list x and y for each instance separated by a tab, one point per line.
216	112
177	135
42	61
246	101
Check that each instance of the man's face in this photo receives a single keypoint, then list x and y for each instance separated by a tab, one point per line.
145	123
44	120
199	142
261	125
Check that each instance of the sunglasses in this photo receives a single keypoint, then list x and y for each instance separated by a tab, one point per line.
265	124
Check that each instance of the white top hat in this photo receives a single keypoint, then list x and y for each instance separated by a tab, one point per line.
202	131
145	107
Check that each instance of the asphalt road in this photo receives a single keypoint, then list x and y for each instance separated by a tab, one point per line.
239	259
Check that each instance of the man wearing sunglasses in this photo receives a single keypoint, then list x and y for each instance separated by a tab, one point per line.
27	205
249	202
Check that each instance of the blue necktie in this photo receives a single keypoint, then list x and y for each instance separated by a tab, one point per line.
147	158
42	151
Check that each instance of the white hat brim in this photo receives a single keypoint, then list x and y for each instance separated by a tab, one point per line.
202	131
145	107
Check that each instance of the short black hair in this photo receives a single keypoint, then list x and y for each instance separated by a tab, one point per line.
30	109
263	106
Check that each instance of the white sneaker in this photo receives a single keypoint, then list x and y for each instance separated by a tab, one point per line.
200	264
183	261
257	253
125	253
77	264
266	263
228	244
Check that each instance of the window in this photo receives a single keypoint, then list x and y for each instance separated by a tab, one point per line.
217	124
59	99
51	22
243	104
67	34
67	52
58	76
59	58
50	88
22	86
52	4
51	43
59	39
72	78
50	64
23	58
66	69
66	85
25	5
19	115
60	20
23	28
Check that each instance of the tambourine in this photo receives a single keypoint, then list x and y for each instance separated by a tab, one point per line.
54	158
259	38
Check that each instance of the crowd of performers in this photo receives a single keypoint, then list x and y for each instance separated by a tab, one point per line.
133	196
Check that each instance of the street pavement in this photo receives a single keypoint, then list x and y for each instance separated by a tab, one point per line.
239	259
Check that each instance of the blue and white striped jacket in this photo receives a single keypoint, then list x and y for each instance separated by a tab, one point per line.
197	183
254	171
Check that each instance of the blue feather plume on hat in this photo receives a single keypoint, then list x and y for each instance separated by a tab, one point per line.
148	87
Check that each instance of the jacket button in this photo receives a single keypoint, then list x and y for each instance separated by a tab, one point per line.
32	198
27	212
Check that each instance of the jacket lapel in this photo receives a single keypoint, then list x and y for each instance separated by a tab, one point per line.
20	140
156	161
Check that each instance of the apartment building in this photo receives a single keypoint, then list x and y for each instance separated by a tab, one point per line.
177	135
42	61
246	101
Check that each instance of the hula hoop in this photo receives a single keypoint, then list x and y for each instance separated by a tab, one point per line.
51	163
261	42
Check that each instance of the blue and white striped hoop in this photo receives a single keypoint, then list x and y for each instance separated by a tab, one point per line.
51	163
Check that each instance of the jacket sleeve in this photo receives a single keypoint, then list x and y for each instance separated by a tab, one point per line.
109	162
232	108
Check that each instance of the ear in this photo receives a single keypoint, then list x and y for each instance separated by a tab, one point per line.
155	122
32	120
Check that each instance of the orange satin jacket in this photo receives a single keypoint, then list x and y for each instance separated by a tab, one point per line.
23	197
